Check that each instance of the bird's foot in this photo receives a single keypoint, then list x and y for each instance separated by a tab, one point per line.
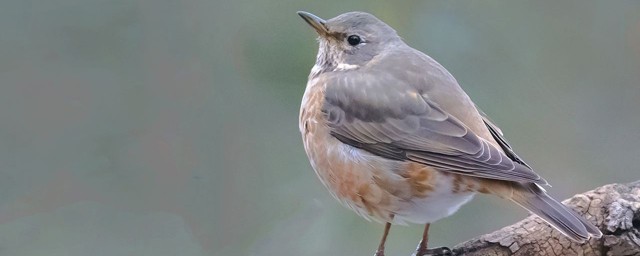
379	253
439	251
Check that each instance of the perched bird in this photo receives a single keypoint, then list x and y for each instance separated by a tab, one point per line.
391	134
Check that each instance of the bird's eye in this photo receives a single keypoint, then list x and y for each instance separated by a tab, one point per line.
354	40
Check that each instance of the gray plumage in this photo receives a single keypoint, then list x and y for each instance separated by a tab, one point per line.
393	101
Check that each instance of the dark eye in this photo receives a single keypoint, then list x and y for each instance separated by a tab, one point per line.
354	40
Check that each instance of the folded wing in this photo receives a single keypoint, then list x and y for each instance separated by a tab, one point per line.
394	119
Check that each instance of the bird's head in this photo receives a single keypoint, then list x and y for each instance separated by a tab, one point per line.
350	40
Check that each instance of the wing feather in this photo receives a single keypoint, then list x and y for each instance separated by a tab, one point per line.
390	118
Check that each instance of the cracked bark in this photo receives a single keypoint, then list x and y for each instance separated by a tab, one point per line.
614	208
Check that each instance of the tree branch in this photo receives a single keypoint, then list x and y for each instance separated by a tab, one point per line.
614	208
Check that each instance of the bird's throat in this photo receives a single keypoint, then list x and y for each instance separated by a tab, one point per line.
327	60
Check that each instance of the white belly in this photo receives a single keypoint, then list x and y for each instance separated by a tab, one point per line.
440	203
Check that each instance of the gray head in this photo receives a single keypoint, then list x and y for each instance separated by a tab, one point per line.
349	40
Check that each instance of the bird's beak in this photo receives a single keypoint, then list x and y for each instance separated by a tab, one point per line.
316	22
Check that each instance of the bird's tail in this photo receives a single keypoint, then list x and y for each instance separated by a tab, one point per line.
532	197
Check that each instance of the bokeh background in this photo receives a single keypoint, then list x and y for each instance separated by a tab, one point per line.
170	127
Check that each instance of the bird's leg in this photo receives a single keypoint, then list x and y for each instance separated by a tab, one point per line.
422	249
422	246
380	251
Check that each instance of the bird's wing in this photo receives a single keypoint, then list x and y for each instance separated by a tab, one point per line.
499	137
386	116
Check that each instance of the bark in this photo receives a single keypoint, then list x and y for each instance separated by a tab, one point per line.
614	208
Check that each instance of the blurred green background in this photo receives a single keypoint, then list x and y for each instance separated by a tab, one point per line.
170	127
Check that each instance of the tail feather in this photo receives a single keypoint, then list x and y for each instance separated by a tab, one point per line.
532	197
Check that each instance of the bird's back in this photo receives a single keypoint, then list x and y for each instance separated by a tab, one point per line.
420	71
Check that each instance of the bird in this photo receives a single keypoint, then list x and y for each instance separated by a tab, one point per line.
392	135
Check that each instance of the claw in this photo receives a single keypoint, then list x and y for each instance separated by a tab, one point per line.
440	251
